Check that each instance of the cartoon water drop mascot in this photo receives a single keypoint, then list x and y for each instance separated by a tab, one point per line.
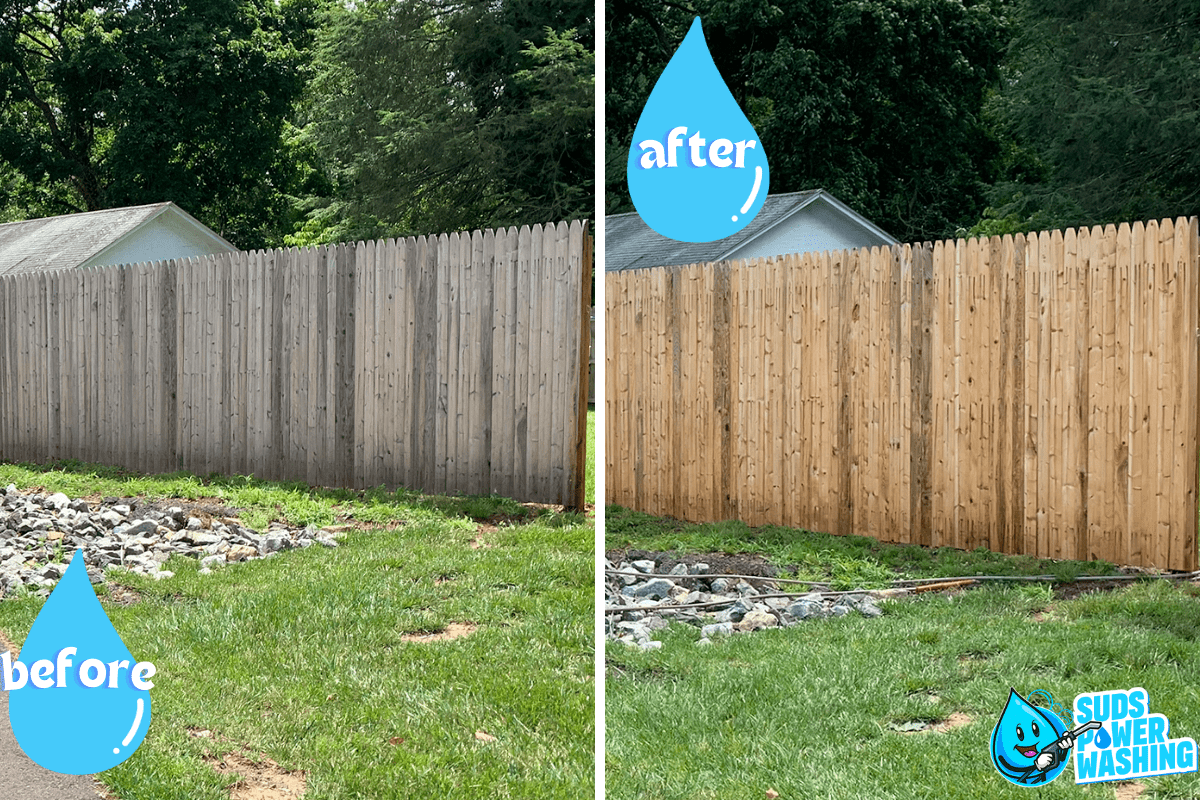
1030	745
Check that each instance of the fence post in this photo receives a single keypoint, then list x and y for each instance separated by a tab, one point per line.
576	496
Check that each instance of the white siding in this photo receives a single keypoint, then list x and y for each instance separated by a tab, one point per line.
166	236
818	226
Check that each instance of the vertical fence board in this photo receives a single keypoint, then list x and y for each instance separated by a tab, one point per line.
1032	394
331	365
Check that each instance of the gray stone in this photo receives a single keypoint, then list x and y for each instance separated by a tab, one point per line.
629	575
717	629
806	608
679	569
275	542
756	620
643	565
699	568
108	518
839	610
868	609
141	527
637	630
720	585
57	501
653	589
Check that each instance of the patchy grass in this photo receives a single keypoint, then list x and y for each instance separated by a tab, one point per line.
832	709
308	659
812	711
260	502
849	561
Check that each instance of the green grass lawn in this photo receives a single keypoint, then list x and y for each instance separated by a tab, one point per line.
590	495
300	657
811	711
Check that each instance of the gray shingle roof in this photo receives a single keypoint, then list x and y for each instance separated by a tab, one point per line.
68	240
629	243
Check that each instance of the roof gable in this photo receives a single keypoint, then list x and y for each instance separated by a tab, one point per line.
629	243
75	240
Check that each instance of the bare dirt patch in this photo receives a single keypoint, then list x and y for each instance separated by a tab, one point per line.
261	778
201	733
455	630
482	538
1129	790
956	720
123	595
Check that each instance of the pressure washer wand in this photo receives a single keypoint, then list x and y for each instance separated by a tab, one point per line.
1052	754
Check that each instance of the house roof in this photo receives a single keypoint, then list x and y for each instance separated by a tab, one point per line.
73	240
629	243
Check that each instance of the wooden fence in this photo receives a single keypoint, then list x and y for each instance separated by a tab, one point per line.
1032	394
446	364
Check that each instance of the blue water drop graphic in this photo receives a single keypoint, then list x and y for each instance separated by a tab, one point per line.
76	729
1021	733
697	171
1102	739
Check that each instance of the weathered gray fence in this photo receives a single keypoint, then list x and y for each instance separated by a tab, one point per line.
455	363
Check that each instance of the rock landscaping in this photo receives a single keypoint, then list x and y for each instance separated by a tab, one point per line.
39	533
643	595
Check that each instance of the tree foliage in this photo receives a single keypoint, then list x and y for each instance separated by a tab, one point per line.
111	103
435	118
1101	101
878	101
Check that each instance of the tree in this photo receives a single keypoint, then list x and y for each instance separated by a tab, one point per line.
528	66
110	103
1102	102
878	101
435	117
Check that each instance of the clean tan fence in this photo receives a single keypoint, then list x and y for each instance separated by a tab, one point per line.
447	364
1032	394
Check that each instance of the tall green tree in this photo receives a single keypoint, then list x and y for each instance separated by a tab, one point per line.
434	117
1102	103
528	66
111	103
878	101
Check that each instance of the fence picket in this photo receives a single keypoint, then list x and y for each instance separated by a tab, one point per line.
1032	394
329	365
